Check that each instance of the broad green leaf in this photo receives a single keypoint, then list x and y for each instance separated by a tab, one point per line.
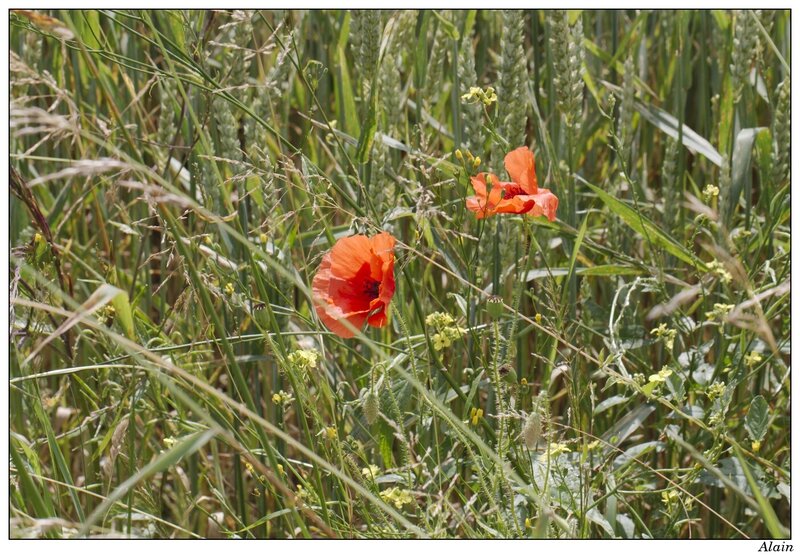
740	165
675	385
609	402
122	307
627	424
757	418
668	124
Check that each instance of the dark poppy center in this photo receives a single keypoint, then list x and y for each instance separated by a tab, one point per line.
371	288
513	191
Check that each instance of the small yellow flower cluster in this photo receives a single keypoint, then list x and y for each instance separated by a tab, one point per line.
229	289
439	320
474	161
282	397
752	359
447	331
304	359
670	498
397	497
756	446
477	94
710	192
446	337
106	313
661	376
370	472
715	390
553	450
301	492
667	334
475	415
719	311
718	268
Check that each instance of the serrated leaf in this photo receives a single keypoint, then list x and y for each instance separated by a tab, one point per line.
757	418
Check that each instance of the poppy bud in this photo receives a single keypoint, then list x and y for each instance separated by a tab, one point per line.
371	405
459	155
532	430
494	306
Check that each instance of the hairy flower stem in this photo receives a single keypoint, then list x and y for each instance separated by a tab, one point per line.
500	392
501	408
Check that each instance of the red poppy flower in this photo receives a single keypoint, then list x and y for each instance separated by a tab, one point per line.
520	196
355	283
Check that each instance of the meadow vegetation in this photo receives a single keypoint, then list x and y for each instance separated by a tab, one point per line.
617	367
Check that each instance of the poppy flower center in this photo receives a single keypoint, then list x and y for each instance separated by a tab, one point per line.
371	288
513	191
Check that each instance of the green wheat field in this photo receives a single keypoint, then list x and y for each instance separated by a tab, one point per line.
399	274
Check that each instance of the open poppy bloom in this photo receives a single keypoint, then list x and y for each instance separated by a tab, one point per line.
520	196
355	283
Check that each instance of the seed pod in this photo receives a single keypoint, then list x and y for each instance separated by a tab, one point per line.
508	374
494	306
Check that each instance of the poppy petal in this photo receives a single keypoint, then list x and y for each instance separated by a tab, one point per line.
479	184
377	317
335	321
355	283
518	205
382	260
477	205
546	204
521	167
497	191
330	297
349	255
